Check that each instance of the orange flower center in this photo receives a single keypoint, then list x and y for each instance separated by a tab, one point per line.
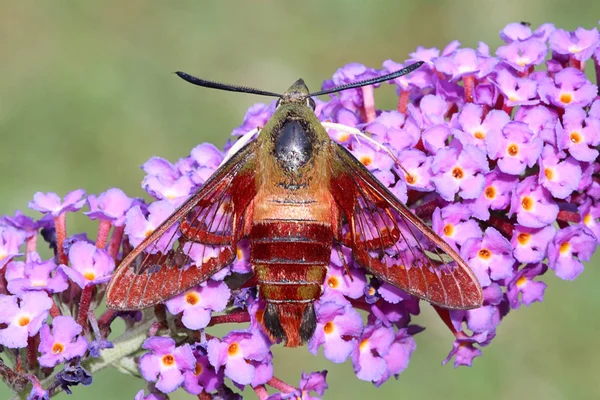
479	135
457	173
521	281
57	348
411	180
527	203
485	253
490	192
371	291
366	160
575	137
89	275
332	282
328	328
524	238
24	321
448	230
566	98
565	247
233	349
198	369
168	360
364	344
192	298
513	150
549	174
587	219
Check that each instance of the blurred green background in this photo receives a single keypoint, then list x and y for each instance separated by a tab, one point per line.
87	95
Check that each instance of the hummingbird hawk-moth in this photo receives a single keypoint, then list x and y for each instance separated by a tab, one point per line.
295	195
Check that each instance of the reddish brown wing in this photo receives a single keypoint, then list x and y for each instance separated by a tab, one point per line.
195	242
393	244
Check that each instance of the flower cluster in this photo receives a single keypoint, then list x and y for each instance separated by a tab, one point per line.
499	153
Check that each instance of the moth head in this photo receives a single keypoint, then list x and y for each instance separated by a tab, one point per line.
297	94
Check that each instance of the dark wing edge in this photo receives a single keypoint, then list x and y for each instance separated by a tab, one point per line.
395	245
207	226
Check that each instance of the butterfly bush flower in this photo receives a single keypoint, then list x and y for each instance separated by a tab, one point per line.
498	152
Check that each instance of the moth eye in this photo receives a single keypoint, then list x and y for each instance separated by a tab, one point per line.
311	103
278	103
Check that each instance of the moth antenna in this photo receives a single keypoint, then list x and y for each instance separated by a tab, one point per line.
370	81
223	86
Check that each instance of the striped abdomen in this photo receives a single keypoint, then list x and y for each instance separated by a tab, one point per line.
290	259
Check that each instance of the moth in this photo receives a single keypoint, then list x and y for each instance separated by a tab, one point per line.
295	195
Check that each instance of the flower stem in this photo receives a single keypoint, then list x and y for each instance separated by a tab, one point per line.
84	306
469	81
261	392
61	234
368	103
236	317
32	346
115	241
103	231
403	100
281	385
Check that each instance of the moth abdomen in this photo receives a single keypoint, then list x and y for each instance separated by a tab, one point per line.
290	262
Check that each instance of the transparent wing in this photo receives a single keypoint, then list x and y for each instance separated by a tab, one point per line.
195	242
393	244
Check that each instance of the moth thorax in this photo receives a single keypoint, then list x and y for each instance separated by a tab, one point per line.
293	145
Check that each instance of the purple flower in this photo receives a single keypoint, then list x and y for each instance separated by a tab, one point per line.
11	240
464	350
367	356
22	317
578	135
533	204
517	91
531	244
234	352
459	171
151	396
496	194
164	181
581	44
560	177
521	55
523	284
63	343
89	265
339	281
109	206
166	363
207	155
418	170
138	226
256	116
51	202
452	223
515	148
203	377
475	127
198	302
34	275
489	257
569	87
541	120
465	62
568	249
337	322
590	213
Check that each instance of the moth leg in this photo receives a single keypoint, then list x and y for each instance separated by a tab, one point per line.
241	142
358	133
